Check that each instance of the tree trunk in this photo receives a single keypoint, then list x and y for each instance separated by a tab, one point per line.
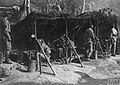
83	9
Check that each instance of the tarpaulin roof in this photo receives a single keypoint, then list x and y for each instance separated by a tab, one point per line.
55	26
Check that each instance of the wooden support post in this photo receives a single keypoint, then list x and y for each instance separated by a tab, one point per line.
66	47
101	48
46	58
66	54
37	55
96	44
40	64
74	51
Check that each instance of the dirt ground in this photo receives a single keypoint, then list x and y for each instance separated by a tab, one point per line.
95	72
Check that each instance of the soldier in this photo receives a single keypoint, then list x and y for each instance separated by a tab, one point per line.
6	39
88	42
67	44
113	41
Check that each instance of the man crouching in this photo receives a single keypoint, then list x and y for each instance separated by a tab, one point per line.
46	50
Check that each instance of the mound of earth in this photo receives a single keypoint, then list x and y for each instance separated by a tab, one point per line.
95	72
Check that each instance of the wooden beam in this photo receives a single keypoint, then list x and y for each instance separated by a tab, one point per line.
37	55
66	47
39	63
74	50
7	8
46	58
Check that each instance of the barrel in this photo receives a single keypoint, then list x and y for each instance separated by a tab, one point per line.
31	66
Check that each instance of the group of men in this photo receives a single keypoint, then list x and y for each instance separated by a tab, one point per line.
90	38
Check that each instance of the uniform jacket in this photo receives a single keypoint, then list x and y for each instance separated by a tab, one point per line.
89	35
6	29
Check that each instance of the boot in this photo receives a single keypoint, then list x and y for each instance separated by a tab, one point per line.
7	60
87	59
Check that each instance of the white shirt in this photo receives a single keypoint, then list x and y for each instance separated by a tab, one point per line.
114	31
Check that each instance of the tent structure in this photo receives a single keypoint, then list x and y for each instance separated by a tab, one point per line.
50	27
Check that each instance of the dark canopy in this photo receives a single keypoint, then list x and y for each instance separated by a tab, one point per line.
51	27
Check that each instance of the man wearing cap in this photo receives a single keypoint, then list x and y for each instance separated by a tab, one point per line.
113	41
88	42
6	45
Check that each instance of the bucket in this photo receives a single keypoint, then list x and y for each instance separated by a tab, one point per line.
31	66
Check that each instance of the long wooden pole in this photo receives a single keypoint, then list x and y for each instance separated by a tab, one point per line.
66	48
74	51
40	64
46	58
95	43
99	44
38	56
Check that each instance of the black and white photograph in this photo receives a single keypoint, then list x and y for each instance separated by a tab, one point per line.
59	42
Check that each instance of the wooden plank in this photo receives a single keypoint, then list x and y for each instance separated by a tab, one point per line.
66	49
40	64
38	56
75	51
46	58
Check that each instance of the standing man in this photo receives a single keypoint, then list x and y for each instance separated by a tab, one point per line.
88	42
113	40
6	41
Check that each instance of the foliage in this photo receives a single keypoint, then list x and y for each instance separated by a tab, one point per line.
70	5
